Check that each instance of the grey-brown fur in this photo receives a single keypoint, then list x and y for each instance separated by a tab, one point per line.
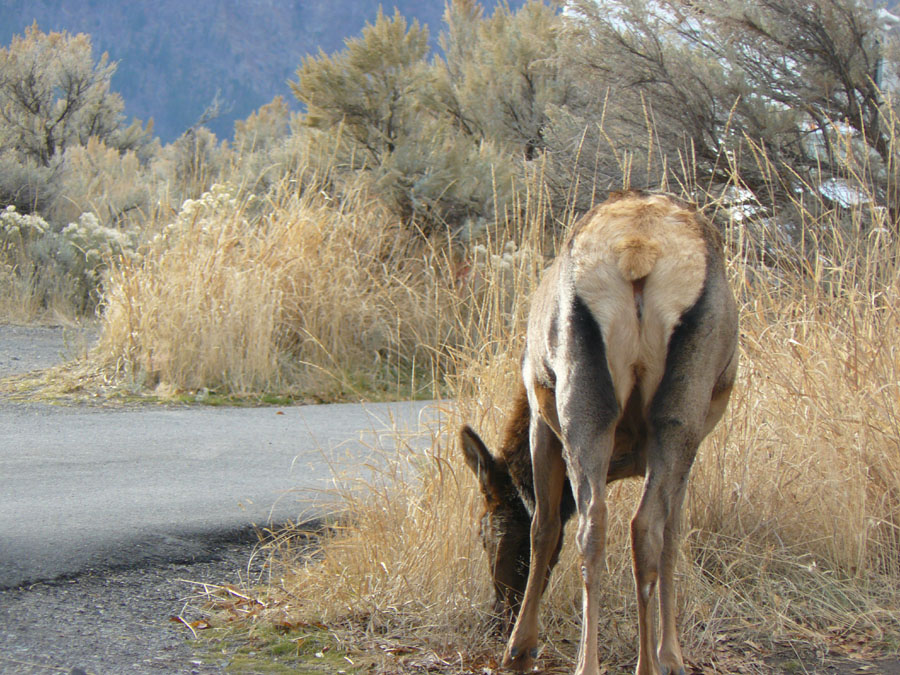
577	424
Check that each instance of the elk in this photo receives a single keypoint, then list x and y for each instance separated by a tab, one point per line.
630	358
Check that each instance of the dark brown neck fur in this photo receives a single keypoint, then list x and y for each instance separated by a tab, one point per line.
515	451
515	454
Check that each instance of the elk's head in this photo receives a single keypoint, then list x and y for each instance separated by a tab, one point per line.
505	526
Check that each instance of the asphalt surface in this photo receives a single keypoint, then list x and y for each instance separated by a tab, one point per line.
91	489
110	518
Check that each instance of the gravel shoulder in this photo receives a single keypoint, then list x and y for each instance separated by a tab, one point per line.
116	622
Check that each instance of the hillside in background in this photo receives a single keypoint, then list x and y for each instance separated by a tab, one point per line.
173	57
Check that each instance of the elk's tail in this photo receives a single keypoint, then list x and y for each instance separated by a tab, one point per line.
636	255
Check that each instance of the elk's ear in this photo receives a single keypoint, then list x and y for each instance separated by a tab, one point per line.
480	460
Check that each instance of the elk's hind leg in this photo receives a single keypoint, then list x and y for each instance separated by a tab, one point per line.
588	456
674	434
588	413
654	540
700	370
549	480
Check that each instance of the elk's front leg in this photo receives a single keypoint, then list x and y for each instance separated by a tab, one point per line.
549	479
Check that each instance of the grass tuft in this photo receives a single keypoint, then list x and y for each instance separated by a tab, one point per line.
309	298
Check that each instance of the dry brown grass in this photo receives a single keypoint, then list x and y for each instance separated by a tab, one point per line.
793	516
35	298
18	303
311	297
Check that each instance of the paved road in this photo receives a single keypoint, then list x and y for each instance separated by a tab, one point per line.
126	509
82	489
88	489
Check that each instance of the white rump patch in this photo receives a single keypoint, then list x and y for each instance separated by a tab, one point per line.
635	238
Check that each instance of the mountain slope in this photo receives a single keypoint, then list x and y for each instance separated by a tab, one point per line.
174	56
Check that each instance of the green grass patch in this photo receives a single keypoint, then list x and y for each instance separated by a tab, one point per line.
274	649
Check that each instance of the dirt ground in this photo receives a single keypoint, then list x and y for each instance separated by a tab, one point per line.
27	348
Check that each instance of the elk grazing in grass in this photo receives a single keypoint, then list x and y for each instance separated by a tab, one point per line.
630	357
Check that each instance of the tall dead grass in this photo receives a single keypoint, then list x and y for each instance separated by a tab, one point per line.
793	516
312	296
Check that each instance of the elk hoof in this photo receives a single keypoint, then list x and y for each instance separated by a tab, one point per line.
520	660
672	671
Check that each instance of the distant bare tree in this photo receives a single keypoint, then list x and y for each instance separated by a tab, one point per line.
374	103
371	88
53	94
774	88
499	75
